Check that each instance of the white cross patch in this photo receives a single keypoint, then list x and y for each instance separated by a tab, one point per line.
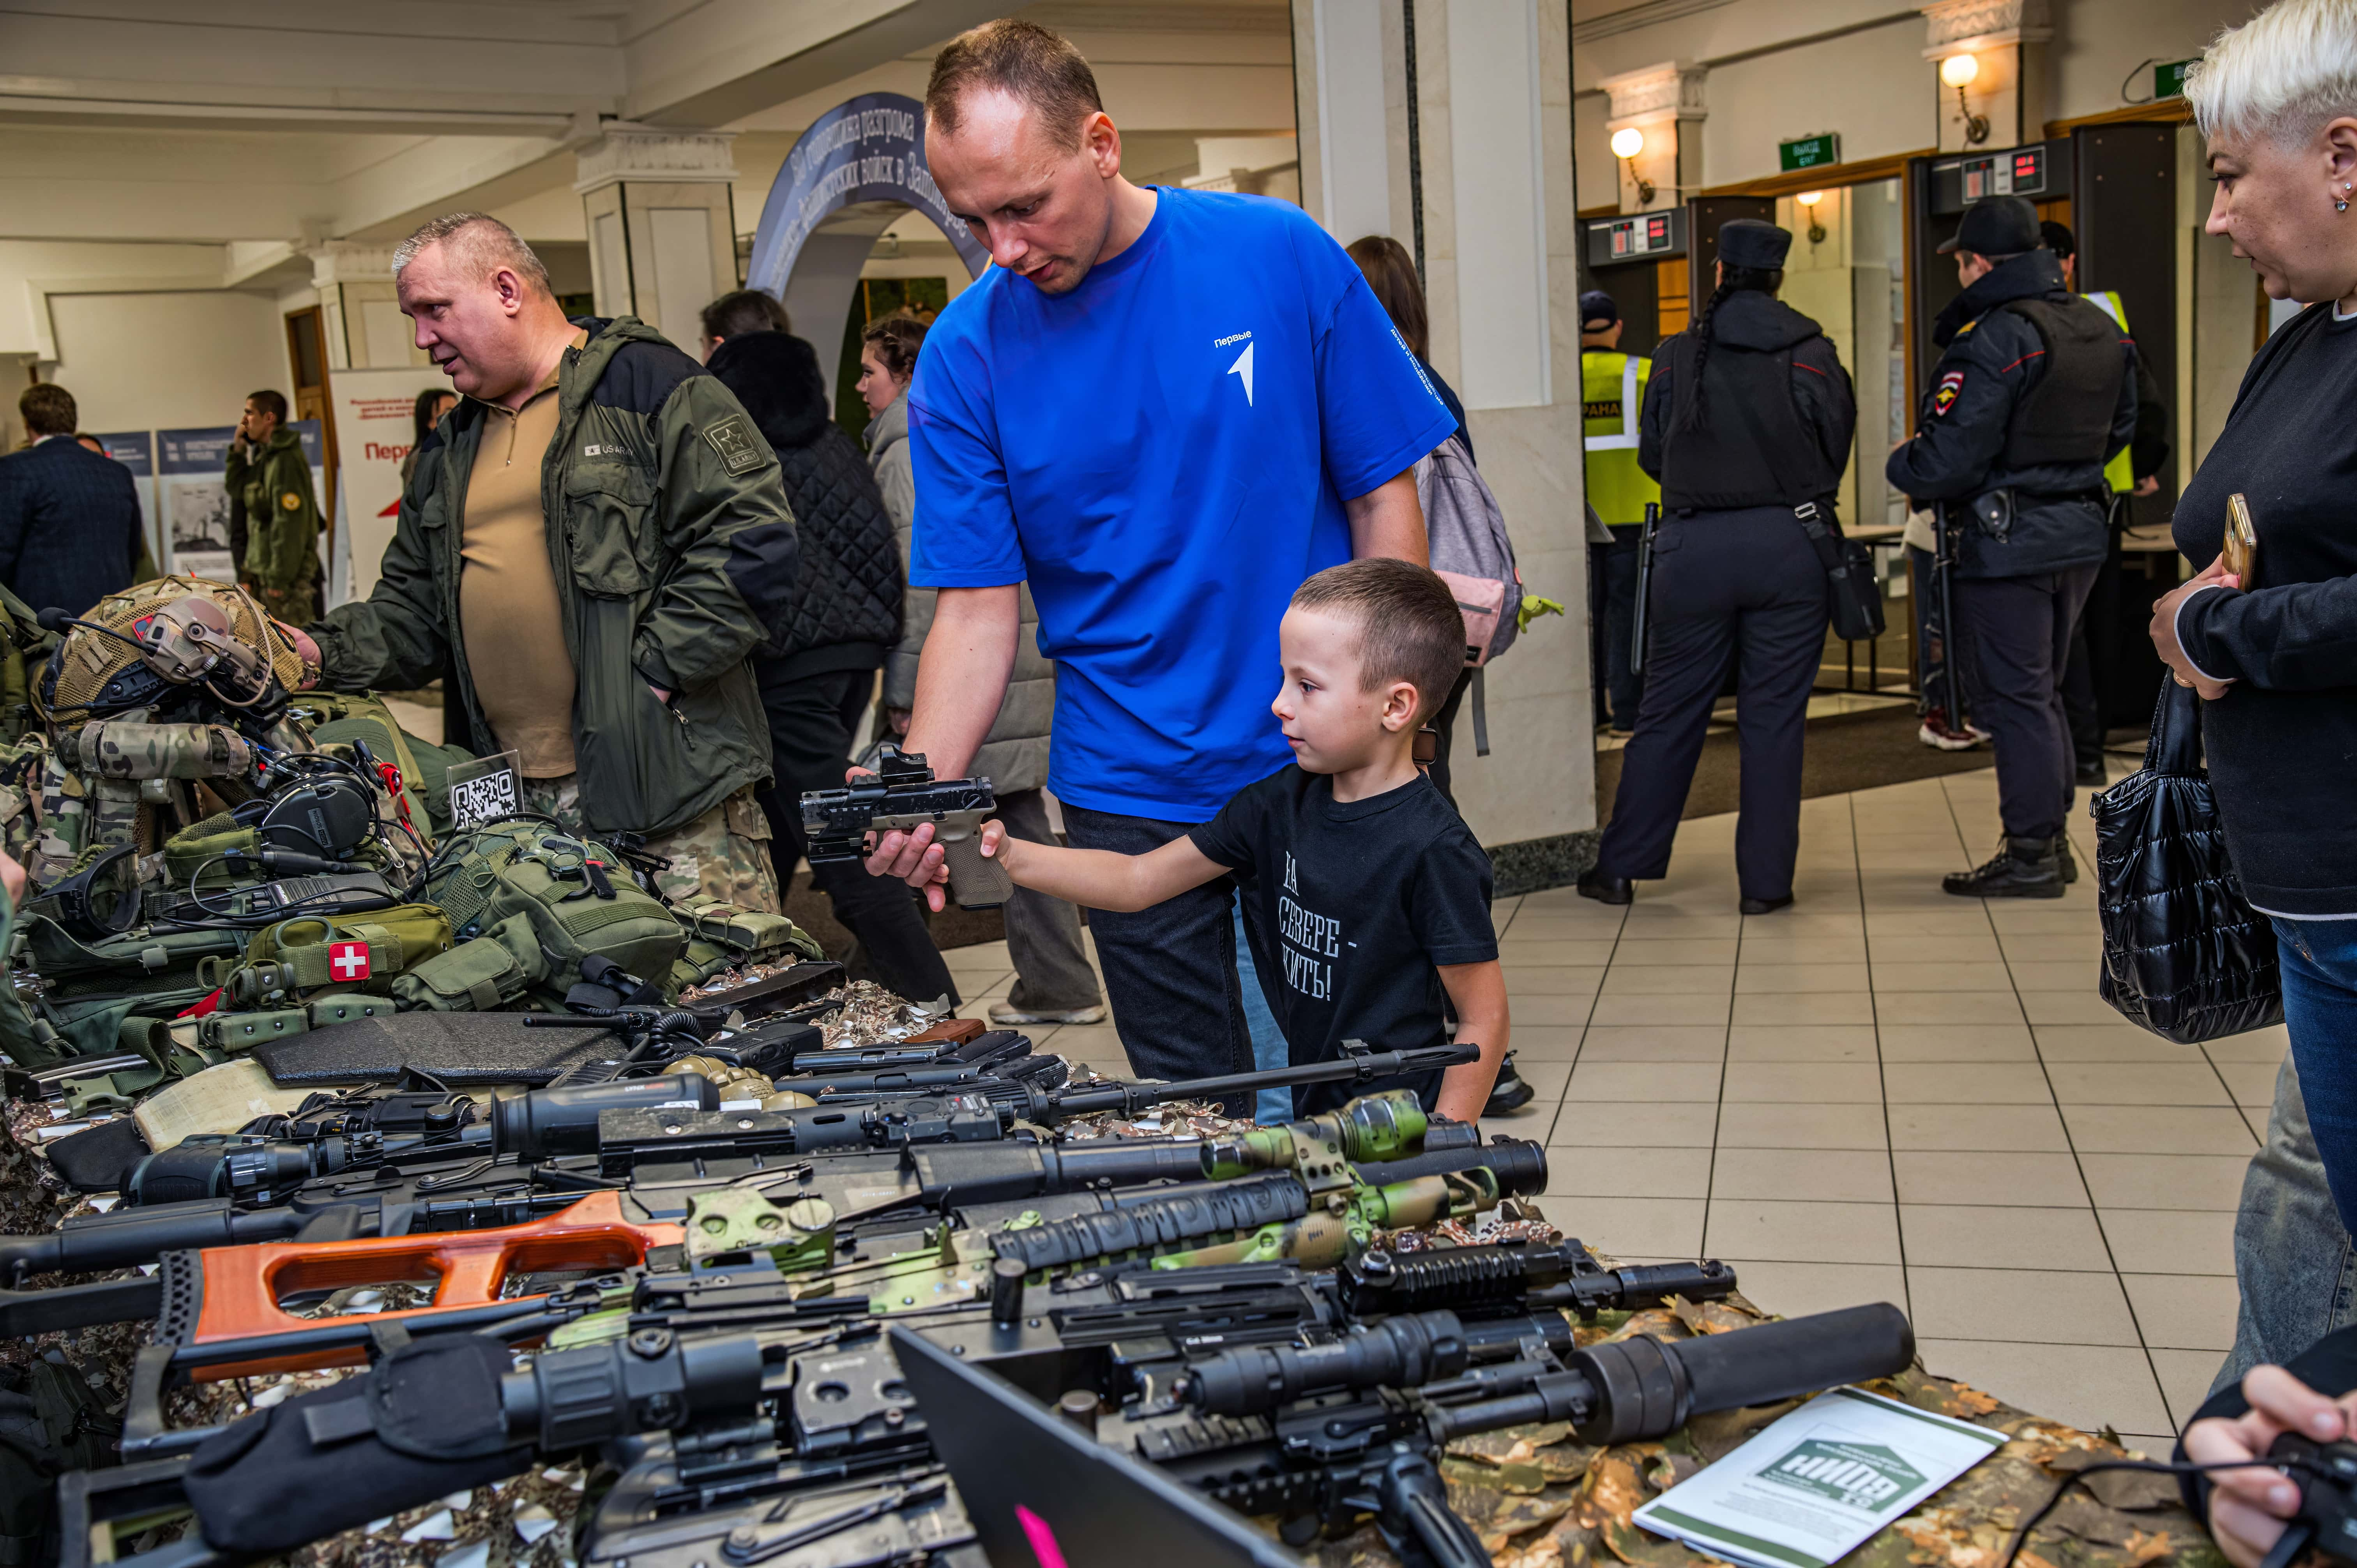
349	961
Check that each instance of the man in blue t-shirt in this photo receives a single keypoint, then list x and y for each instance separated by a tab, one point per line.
1164	409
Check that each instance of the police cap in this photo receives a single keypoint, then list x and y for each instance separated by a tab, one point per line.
1996	226
1748	242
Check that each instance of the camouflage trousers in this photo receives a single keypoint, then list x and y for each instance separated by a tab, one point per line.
724	853
296	604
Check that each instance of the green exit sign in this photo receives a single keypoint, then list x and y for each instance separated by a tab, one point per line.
2168	80
1810	151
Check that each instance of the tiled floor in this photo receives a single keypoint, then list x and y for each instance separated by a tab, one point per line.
1882	1093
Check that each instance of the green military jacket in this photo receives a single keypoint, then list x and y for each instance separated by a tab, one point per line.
271	508
674	547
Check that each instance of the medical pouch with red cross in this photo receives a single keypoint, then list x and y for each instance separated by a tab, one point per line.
306	956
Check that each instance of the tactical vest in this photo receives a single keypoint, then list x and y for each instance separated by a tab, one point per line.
1750	448
2066	420
2118	473
1612	390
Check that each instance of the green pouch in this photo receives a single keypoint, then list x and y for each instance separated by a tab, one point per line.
722	936
193	856
311	955
478	976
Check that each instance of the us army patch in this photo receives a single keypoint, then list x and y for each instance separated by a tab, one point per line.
730	439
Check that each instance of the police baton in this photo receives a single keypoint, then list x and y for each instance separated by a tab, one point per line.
1644	588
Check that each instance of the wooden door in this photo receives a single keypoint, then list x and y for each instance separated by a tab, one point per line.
307	357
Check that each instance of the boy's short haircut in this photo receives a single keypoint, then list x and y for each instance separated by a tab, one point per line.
1409	626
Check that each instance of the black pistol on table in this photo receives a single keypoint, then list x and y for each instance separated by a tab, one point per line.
903	794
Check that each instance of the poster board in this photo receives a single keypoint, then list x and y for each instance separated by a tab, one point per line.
375	427
193	503
192	500
136	450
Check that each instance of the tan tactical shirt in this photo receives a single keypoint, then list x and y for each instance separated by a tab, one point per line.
508	609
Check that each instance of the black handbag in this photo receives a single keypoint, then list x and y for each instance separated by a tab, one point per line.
1854	598
2184	953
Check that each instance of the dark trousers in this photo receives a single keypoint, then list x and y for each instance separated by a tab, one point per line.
811	720
1170	971
1935	670
1043	933
1742	586
1622	686
2020	632
2081	709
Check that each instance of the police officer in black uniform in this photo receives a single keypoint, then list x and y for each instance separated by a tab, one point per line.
1748	416
2036	390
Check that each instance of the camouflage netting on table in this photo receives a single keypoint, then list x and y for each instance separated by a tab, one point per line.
1539	1499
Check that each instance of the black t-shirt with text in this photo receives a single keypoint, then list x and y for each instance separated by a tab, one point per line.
1350	909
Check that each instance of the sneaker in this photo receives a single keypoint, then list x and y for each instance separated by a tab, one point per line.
1510	1092
1938	734
1006	1013
2021	868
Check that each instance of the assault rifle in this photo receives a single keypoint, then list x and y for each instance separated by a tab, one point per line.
751	1416
902	794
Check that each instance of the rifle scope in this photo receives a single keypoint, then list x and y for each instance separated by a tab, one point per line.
238	1165
565	1121
1623	1392
571	1398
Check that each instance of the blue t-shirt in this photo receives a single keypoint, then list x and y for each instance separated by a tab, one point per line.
1163	454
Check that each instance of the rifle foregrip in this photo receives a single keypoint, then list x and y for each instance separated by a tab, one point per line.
976	881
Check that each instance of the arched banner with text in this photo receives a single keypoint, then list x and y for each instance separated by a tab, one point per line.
868	148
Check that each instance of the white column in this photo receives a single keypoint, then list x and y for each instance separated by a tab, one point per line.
662	231
1493	132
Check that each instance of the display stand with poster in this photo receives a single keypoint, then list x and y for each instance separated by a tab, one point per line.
376	416
192	500
136	450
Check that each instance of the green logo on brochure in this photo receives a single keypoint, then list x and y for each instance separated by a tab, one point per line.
1855	1475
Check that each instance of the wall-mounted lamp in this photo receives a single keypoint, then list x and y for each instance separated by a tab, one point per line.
1808	199
1959	72
1627	143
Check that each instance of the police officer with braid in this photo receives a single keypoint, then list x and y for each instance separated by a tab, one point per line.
2034	394
1748	416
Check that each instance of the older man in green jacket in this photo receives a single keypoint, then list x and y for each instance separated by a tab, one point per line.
593	540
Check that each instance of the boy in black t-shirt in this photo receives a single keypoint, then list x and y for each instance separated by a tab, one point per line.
1371	895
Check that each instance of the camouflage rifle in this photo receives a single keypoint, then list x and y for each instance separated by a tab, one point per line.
903	794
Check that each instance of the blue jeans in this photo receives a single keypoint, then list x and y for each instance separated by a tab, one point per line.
2319	963
2294	1265
1274	1107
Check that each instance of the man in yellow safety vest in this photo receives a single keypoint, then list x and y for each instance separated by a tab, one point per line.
1612	389
2135	471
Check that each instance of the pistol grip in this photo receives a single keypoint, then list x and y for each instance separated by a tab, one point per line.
976	881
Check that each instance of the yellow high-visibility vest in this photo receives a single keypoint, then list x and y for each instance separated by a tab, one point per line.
1612	391
2116	472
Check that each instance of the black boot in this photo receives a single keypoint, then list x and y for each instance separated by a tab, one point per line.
2022	868
2063	853
1510	1092
1605	889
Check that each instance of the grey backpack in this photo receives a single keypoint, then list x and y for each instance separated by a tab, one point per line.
1472	554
